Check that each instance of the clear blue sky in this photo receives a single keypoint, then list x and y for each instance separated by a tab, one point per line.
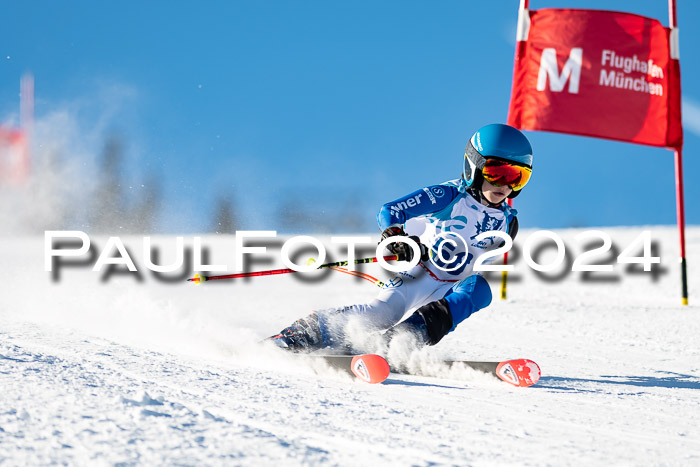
326	102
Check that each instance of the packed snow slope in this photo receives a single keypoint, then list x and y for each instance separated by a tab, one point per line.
126	369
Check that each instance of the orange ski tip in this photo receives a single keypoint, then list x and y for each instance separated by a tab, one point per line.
521	372
371	369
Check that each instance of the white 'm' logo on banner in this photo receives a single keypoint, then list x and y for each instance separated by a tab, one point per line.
571	71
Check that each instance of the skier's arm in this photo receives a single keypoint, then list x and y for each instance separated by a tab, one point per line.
513	227
419	203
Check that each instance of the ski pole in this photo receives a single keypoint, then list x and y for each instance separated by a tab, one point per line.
362	275
198	278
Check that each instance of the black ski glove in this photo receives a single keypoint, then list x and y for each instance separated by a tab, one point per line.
404	250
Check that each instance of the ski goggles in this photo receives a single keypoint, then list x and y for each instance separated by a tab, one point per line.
499	172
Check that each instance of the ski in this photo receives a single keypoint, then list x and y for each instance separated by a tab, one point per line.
369	368
520	372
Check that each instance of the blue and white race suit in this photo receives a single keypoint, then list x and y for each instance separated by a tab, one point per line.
447	219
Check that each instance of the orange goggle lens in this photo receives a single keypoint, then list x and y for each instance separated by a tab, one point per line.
500	173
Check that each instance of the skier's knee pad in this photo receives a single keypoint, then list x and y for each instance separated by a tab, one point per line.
438	320
480	291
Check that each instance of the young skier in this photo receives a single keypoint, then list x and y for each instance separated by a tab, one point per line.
442	289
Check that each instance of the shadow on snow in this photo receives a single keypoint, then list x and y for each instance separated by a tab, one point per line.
673	381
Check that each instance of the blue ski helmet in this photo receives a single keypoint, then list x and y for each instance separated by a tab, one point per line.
497	142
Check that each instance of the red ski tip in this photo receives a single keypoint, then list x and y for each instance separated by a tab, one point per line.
370	368
521	372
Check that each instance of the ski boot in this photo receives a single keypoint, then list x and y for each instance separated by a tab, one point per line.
304	335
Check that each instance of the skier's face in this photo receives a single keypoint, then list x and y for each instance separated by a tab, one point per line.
495	194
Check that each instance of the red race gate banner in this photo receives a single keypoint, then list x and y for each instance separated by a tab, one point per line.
14	158
597	73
